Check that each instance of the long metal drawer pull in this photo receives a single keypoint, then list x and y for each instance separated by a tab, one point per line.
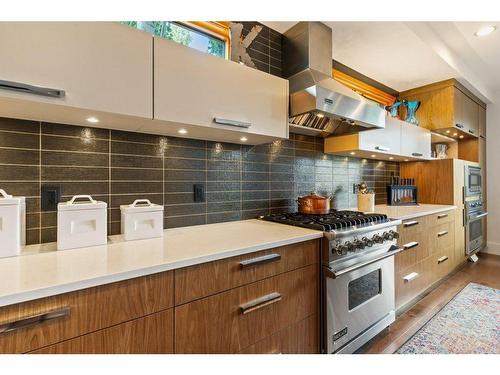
410	277
33	320
417	154
30	89
442	216
471	131
382	148
410	245
260	302
410	224
335	274
442	259
460	126
443	233
260	260
480	216
238	124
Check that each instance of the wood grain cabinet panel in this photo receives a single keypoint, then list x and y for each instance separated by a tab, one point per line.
300	338
225	322
213	277
153	334
89	310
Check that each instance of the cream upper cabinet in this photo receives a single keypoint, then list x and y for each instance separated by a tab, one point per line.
386	140
203	91
101	66
415	141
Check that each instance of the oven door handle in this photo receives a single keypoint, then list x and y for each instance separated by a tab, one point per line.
336	274
477	217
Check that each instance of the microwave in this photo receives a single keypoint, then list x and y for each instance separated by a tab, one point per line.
473	181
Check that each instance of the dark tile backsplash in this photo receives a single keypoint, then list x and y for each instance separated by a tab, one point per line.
241	181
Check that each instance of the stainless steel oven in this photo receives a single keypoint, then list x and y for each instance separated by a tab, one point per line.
473	181
475	216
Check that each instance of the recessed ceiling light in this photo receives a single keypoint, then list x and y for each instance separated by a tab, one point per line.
374	156
455	134
461	137
320	115
182	131
352	153
243	139
391	158
406	159
448	132
93	120
487	30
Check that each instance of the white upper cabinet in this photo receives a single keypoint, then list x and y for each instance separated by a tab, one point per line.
216	98
101	66
415	141
386	140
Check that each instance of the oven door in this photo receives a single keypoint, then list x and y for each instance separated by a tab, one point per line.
474	232
357	300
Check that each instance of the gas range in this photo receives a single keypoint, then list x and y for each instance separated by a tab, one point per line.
357	288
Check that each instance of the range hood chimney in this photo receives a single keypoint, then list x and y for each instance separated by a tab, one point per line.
319	105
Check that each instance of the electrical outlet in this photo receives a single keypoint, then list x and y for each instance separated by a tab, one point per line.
51	196
199	193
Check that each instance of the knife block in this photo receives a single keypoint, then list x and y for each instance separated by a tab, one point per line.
402	195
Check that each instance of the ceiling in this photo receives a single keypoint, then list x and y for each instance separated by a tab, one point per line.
404	55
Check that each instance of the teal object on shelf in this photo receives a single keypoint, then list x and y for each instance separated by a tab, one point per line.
411	109
394	108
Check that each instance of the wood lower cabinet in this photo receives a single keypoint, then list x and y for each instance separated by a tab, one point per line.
153	334
231	321
419	267
253	302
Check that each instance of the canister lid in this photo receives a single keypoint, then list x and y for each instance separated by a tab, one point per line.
9	200
141	205
81	202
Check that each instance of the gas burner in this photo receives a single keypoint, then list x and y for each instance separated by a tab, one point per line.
335	220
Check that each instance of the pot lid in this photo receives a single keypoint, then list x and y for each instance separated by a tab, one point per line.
313	195
81	202
141	205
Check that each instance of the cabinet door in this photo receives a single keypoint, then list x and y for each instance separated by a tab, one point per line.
482	122
467	110
415	142
387	140
194	88
102	66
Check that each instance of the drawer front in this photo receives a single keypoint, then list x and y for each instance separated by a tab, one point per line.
411	282
443	237
153	334
443	264
47	321
441	218
209	278
231	321
415	254
300	338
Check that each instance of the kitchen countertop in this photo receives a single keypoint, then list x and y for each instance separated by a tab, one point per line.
41	271
411	212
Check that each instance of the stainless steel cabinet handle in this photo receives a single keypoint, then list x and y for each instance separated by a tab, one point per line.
260	260
335	274
260	302
238	124
417	154
471	131
410	277
410	245
442	216
33	320
410	223
30	89
442	233
480	215
442	259
381	148
460	126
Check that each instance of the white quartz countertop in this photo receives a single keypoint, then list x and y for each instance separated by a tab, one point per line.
43	272
411	212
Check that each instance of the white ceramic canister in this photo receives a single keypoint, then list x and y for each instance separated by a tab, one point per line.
12	224
81	222
141	219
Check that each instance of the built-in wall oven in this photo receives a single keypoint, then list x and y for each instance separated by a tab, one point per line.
475	215
473	181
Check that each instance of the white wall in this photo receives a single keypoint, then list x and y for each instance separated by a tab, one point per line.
493	174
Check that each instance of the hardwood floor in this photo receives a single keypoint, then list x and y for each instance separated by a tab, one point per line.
485	272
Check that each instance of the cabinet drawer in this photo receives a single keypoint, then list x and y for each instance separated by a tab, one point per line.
443	264
231	321
442	237
47	321
413	255
153	334
441	218
209	278
411	282
300	338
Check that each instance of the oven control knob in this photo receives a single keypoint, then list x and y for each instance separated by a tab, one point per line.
388	236
368	242
360	244
351	247
395	235
342	249
378	239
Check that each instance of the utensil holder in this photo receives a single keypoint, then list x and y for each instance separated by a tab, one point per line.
366	202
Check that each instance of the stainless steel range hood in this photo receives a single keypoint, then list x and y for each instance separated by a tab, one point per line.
320	105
